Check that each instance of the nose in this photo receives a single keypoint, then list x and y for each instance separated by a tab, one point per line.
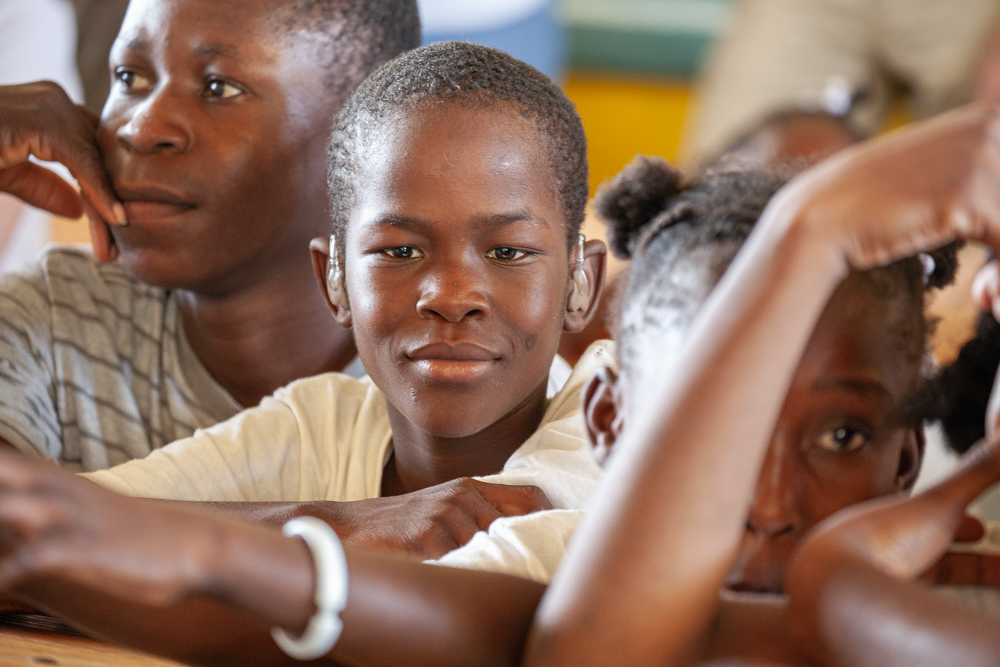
774	511
157	125
453	292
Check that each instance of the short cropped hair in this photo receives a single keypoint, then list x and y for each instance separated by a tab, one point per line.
473	75
355	37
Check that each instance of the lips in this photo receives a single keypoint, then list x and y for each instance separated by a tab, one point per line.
148	201
452	362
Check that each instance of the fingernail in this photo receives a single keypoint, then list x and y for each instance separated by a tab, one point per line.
120	216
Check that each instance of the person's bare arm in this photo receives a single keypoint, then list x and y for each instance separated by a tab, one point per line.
204	589
666	521
426	524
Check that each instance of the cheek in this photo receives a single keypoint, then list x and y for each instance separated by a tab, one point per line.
532	306
846	480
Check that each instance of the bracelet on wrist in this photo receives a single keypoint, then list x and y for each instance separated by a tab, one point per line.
325	626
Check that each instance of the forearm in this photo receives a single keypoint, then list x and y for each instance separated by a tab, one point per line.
663	527
242	579
845	612
403	612
399	610
193	632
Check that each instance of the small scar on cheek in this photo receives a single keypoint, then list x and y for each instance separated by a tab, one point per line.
413	393
530	340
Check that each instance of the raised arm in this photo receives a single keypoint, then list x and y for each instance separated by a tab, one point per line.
640	585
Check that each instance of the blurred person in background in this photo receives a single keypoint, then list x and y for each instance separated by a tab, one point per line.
847	58
37	42
529	30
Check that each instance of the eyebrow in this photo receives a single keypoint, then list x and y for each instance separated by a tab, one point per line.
853	385
498	219
215	50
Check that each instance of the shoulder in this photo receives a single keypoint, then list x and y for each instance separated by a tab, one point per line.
70	269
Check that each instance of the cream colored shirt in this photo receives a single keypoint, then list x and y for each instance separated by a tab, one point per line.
529	546
328	438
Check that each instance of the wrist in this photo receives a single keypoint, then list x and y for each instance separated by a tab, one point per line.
336	514
798	223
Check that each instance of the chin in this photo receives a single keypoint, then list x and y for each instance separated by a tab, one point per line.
158	268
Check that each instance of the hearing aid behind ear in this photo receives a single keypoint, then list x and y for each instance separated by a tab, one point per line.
579	298
334	279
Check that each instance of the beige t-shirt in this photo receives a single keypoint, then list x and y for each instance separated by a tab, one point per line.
328	438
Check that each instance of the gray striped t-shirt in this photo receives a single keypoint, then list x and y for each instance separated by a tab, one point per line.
95	369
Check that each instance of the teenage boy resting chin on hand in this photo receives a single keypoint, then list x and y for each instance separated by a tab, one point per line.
206	175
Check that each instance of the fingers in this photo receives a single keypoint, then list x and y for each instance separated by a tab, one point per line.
39	119
513	500
41	188
481	512
105	248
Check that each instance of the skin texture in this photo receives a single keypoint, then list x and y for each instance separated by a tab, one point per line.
852	375
867	558
203	589
866	206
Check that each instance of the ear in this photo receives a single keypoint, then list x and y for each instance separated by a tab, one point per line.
911	455
331	282
601	412
595	265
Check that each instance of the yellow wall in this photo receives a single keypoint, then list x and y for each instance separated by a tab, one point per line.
623	117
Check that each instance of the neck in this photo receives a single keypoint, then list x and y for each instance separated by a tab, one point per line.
258	339
421	460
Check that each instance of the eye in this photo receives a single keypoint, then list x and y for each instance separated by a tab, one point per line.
220	90
506	253
843	439
403	252
132	81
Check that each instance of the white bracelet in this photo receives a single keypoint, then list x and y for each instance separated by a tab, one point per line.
324	627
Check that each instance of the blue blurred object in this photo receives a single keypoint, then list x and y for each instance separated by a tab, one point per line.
529	30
